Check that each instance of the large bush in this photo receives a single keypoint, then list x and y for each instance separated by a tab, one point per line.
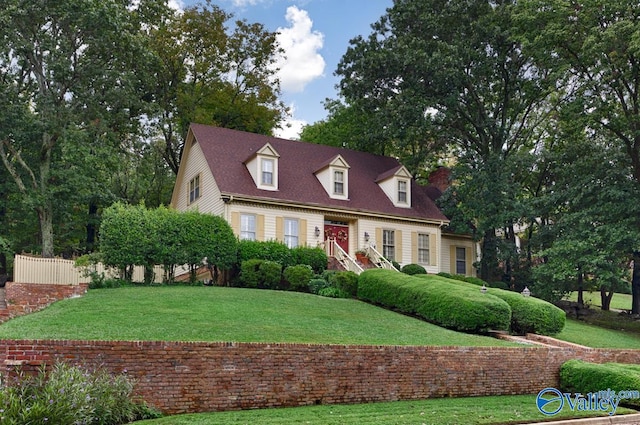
451	306
577	376
346	282
265	250
64	394
413	269
298	277
314	257
528	314
261	274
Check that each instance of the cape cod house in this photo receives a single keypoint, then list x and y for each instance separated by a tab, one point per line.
307	194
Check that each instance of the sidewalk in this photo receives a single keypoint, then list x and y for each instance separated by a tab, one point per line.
633	419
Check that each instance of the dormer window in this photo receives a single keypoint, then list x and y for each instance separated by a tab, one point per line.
338	182
396	184
263	167
334	177
402	191
267	171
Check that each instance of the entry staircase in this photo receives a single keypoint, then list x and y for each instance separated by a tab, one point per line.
349	263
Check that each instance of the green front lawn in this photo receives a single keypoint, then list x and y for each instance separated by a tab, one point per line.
594	336
442	411
178	313
618	302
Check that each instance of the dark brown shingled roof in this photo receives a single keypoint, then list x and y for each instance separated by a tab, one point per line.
226	151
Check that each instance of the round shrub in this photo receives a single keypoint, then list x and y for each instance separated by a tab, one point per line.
265	250
314	257
298	276
333	292
413	269
346	282
271	274
317	284
435	300
250	273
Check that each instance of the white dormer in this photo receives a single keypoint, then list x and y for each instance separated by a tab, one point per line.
263	167
396	184
334	177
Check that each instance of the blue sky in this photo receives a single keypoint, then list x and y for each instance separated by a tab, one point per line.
315	34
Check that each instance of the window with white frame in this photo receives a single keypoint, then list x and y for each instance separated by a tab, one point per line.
461	260
248	227
423	248
194	188
267	172
388	244
338	182
291	232
402	191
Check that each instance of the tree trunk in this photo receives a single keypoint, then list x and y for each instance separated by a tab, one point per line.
605	299
489	259
635	284
91	226
45	215
580	289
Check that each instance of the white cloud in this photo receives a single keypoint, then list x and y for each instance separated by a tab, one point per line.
301	63
244	3
291	127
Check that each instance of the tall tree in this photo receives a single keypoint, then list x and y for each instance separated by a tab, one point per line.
597	44
67	76
210	74
449	70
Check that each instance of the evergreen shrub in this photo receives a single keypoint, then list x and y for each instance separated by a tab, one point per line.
317	284
265	250
298	277
413	269
528	314
455	307
314	257
250	273
346	282
578	376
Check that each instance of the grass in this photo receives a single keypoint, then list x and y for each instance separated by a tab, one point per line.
618	302
444	411
594	336
178	313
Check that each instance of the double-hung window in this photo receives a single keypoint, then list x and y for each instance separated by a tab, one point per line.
194	188
388	244
291	232
402	191
338	182
461	260
423	248
267	172
248	227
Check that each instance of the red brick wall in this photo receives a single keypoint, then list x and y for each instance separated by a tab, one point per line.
197	377
24	298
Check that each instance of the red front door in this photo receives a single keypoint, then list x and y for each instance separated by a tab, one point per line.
338	232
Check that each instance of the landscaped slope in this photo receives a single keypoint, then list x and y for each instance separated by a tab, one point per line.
228	314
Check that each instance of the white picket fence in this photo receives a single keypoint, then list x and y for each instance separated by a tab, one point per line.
58	271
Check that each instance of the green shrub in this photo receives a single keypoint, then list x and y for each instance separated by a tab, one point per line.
265	250
271	274
250	273
435	300
317	284
346	282
298	276
413	269
64	394
333	292
314	257
578	376
528	314
396	265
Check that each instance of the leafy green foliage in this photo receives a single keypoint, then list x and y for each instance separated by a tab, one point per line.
528	314
64	394
317	284
298	277
314	257
436	300
413	269
270	274
265	250
263	274
578	376
346	282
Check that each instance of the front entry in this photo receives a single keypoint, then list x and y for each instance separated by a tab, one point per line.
338	231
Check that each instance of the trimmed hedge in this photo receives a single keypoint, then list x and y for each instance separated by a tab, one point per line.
298	277
578	376
261	274
528	314
413	269
452	306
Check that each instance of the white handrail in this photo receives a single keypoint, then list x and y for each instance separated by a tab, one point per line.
334	250
378	260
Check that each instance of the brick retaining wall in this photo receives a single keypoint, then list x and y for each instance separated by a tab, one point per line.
24	298
180	377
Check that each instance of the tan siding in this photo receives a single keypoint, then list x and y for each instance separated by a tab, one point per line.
280	229
302	229
414	247
399	247
433	250
235	222
260	227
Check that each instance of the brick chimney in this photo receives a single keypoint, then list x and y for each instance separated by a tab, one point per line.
440	178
